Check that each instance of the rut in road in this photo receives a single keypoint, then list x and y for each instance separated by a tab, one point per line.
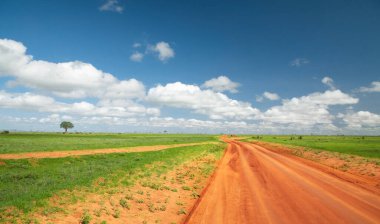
256	185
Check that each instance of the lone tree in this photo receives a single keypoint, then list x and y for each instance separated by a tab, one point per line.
66	125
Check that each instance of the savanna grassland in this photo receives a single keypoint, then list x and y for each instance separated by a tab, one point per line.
159	186
141	187
39	142
365	146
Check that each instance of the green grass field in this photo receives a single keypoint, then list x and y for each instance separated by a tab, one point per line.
36	142
27	184
366	146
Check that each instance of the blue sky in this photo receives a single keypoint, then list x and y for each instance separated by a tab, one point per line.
191	66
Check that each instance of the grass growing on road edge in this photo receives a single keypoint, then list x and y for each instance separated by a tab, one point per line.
366	146
37	142
27	184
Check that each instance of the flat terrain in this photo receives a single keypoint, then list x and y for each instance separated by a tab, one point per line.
83	152
255	184
43	142
157	180
367	146
164	178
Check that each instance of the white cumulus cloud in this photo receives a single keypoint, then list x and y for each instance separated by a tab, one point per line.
221	84
213	104
361	119
267	95
374	87
164	51
271	96
100	98
308	110
74	79
137	57
34	102
329	82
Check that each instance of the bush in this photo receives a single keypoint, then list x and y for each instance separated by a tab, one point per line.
5	132
86	218
124	203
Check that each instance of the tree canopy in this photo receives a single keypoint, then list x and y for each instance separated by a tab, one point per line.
66	125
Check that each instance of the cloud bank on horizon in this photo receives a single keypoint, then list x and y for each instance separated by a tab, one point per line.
48	92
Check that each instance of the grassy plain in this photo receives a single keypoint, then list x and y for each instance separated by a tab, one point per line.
366	146
38	142
28	184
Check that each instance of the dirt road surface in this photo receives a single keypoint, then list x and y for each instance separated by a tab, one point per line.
256	185
59	154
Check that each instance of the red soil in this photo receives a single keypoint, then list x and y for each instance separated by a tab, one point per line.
59	154
254	184
165	202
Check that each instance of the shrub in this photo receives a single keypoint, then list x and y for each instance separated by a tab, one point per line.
124	203
86	218
5	132
117	214
151	207
129	197
140	201
181	212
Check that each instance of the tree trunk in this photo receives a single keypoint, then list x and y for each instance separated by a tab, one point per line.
65	130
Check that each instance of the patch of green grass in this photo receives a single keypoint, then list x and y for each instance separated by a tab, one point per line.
366	146
36	142
86	218
186	188
116	214
154	186
140	201
182	211
22	183
179	203
162	208
151	207
129	197
195	195
124	203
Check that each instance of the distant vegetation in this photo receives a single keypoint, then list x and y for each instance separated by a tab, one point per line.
35	142
367	146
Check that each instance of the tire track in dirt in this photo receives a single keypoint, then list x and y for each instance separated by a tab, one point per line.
256	185
60	154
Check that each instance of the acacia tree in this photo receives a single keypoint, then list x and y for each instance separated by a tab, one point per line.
66	125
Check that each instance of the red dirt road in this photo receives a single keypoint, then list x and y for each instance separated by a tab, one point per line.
256	185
